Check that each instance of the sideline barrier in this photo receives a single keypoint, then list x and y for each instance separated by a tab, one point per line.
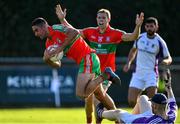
30	82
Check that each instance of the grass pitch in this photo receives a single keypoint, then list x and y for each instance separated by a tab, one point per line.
47	116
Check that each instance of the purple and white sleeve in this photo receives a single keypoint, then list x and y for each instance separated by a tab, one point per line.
172	109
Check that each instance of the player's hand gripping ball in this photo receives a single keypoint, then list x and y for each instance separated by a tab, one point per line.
56	57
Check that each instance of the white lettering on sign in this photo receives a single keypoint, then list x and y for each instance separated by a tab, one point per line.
37	84
68	81
28	81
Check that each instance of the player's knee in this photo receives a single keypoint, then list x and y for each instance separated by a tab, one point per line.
142	98
99	96
116	114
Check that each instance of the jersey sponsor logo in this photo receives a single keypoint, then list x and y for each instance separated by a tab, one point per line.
146	50
107	39
99	45
100	38
101	51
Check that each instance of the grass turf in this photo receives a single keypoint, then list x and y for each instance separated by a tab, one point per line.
47	116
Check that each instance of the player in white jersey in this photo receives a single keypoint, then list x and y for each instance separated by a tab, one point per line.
149	50
160	109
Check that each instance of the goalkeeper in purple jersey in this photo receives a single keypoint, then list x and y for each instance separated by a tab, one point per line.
158	109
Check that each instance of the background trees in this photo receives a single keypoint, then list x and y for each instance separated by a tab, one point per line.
17	39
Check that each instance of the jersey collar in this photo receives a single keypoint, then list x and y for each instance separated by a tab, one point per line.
107	29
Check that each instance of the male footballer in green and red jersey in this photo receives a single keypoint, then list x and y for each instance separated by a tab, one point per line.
89	80
104	39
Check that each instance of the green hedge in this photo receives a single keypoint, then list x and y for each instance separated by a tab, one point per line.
17	38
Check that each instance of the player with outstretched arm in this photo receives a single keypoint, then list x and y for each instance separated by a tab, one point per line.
158	109
89	79
104	39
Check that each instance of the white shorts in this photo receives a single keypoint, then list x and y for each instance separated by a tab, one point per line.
144	79
129	118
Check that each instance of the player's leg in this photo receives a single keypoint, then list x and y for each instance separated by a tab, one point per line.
107	75
118	115
151	84
135	89
111	115
92	102
107	114
143	104
151	91
89	108
106	85
82	80
80	86
96	102
85	85
133	94
104	98
90	67
121	115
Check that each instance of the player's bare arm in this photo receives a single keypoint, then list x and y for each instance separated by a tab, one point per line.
166	76
62	18
71	34
131	57
62	15
167	61
133	36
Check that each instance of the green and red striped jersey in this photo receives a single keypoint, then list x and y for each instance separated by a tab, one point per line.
105	44
76	50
